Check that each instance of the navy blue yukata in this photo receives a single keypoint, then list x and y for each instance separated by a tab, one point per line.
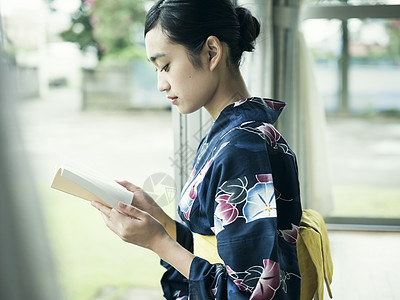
243	189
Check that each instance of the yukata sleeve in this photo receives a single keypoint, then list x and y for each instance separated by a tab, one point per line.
258	262
174	284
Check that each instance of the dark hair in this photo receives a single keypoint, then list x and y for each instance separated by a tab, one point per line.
191	22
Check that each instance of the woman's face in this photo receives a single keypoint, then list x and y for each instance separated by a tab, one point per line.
187	87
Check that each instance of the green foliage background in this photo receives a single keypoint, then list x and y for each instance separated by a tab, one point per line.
113	28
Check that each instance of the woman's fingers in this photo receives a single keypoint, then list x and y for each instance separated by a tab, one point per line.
131	211
132	224
128	185
128	210
105	218
102	208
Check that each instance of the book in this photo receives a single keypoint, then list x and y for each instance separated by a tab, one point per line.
91	187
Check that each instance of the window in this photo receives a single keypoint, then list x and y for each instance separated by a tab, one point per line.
356	52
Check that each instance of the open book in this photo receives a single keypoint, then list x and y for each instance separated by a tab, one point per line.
90	187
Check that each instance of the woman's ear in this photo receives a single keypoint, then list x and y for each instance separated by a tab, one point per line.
213	48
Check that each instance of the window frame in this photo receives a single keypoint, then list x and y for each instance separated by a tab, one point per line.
344	13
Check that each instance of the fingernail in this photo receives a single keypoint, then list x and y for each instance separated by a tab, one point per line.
121	205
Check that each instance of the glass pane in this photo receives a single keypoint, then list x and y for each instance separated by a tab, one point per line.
364	143
375	65
324	39
352	2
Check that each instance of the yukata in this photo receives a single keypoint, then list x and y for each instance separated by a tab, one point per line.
243	189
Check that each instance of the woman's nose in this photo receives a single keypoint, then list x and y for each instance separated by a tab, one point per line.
163	84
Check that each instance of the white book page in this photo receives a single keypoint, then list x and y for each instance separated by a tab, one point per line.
90	187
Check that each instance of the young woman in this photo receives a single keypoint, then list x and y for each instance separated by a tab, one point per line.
241	206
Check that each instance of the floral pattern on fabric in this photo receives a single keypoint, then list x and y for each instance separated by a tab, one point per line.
271	133
265	130
261	202
290	235
247	280
226	211
188	197
269	281
266	280
244	190
275	105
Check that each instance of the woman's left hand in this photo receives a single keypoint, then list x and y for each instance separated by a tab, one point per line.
133	226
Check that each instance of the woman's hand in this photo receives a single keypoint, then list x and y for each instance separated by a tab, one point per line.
133	225
138	227
141	199
144	202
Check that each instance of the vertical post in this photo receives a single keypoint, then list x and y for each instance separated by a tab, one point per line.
344	70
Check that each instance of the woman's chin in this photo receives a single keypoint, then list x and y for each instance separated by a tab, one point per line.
185	111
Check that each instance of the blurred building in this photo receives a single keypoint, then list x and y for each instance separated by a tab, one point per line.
43	59
25	26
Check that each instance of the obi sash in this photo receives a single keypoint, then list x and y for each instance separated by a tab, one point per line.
205	246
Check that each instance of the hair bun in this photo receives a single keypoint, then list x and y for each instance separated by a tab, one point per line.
249	28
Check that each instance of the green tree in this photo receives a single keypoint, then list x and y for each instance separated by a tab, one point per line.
393	30
113	28
81	29
119	27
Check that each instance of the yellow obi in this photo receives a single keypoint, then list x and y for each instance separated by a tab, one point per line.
205	246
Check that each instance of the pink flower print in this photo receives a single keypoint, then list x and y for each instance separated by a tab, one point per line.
264	177
290	235
225	211
193	190
271	133
269	281
199	179
189	193
188	197
241	286
241	279
240	282
189	180
275	105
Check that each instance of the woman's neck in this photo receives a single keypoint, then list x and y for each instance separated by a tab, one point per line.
230	91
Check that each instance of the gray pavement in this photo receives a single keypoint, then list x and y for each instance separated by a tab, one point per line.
364	151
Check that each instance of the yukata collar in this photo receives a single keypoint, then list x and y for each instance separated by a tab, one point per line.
251	109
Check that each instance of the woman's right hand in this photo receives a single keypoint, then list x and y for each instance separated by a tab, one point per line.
144	202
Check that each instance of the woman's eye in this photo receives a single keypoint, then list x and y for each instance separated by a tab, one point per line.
165	68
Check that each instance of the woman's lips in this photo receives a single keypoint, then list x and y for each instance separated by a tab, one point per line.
173	100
